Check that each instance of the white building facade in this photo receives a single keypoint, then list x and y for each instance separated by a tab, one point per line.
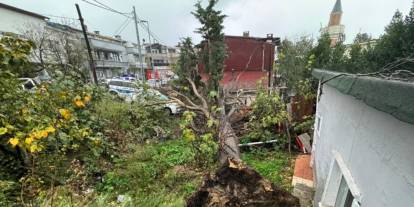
113	56
15	20
363	142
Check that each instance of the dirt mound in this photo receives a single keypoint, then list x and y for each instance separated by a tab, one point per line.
236	184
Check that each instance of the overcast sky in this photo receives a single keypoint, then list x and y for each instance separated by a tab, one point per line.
171	20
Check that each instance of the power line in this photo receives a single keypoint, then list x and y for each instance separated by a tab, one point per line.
122	27
125	14
107	8
145	27
112	9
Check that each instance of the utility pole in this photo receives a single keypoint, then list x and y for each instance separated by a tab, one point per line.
88	46
139	44
150	48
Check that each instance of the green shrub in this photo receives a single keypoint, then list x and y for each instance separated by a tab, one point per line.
133	122
8	193
268	110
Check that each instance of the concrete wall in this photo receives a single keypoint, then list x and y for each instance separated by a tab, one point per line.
11	21
377	149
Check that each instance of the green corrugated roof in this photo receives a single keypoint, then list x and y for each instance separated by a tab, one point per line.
390	96
338	7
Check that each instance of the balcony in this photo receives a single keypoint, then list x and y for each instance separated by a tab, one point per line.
134	50
138	64
110	64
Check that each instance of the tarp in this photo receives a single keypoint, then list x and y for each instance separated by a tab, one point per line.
390	96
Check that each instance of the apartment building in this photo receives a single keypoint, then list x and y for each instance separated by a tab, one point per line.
162	58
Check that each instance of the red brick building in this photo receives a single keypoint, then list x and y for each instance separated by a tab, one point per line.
250	59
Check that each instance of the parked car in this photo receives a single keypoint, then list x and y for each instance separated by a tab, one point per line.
28	84
153	83
170	107
123	88
131	91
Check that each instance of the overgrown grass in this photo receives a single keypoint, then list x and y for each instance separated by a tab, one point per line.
156	174
277	166
163	174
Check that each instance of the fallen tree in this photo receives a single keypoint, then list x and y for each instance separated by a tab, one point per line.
207	121
206	100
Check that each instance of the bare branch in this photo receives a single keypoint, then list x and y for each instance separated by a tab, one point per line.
203	100
185	97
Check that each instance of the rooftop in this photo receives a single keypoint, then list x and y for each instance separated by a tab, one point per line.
275	40
338	7
15	9
394	97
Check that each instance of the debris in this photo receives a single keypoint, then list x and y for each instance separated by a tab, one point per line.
258	143
304	142
120	198
237	185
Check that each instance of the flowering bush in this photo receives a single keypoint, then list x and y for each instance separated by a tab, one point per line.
43	129
203	143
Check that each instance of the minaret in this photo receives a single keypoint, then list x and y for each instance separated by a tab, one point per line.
336	14
335	29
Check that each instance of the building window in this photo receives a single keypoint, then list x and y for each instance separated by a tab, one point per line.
340	187
318	124
344	197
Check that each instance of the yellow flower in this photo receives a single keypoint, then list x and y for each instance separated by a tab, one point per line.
50	129
44	134
28	140
87	98
14	141
78	102
65	113
25	110
3	130
34	148
41	134
84	132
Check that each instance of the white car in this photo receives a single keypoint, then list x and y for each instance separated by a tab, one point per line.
28	84
123	89
170	106
130	91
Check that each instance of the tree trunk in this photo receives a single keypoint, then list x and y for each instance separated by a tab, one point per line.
229	142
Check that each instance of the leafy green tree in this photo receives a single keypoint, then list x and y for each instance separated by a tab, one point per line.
213	47
389	47
337	58
397	43
187	62
362	38
294	65
322	52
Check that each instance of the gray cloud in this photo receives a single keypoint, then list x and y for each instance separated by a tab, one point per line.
172	19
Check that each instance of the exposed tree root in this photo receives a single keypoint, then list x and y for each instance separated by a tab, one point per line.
236	184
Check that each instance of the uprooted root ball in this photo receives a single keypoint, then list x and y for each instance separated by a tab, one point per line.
236	184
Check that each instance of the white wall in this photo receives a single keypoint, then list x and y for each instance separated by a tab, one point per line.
11	21
377	149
